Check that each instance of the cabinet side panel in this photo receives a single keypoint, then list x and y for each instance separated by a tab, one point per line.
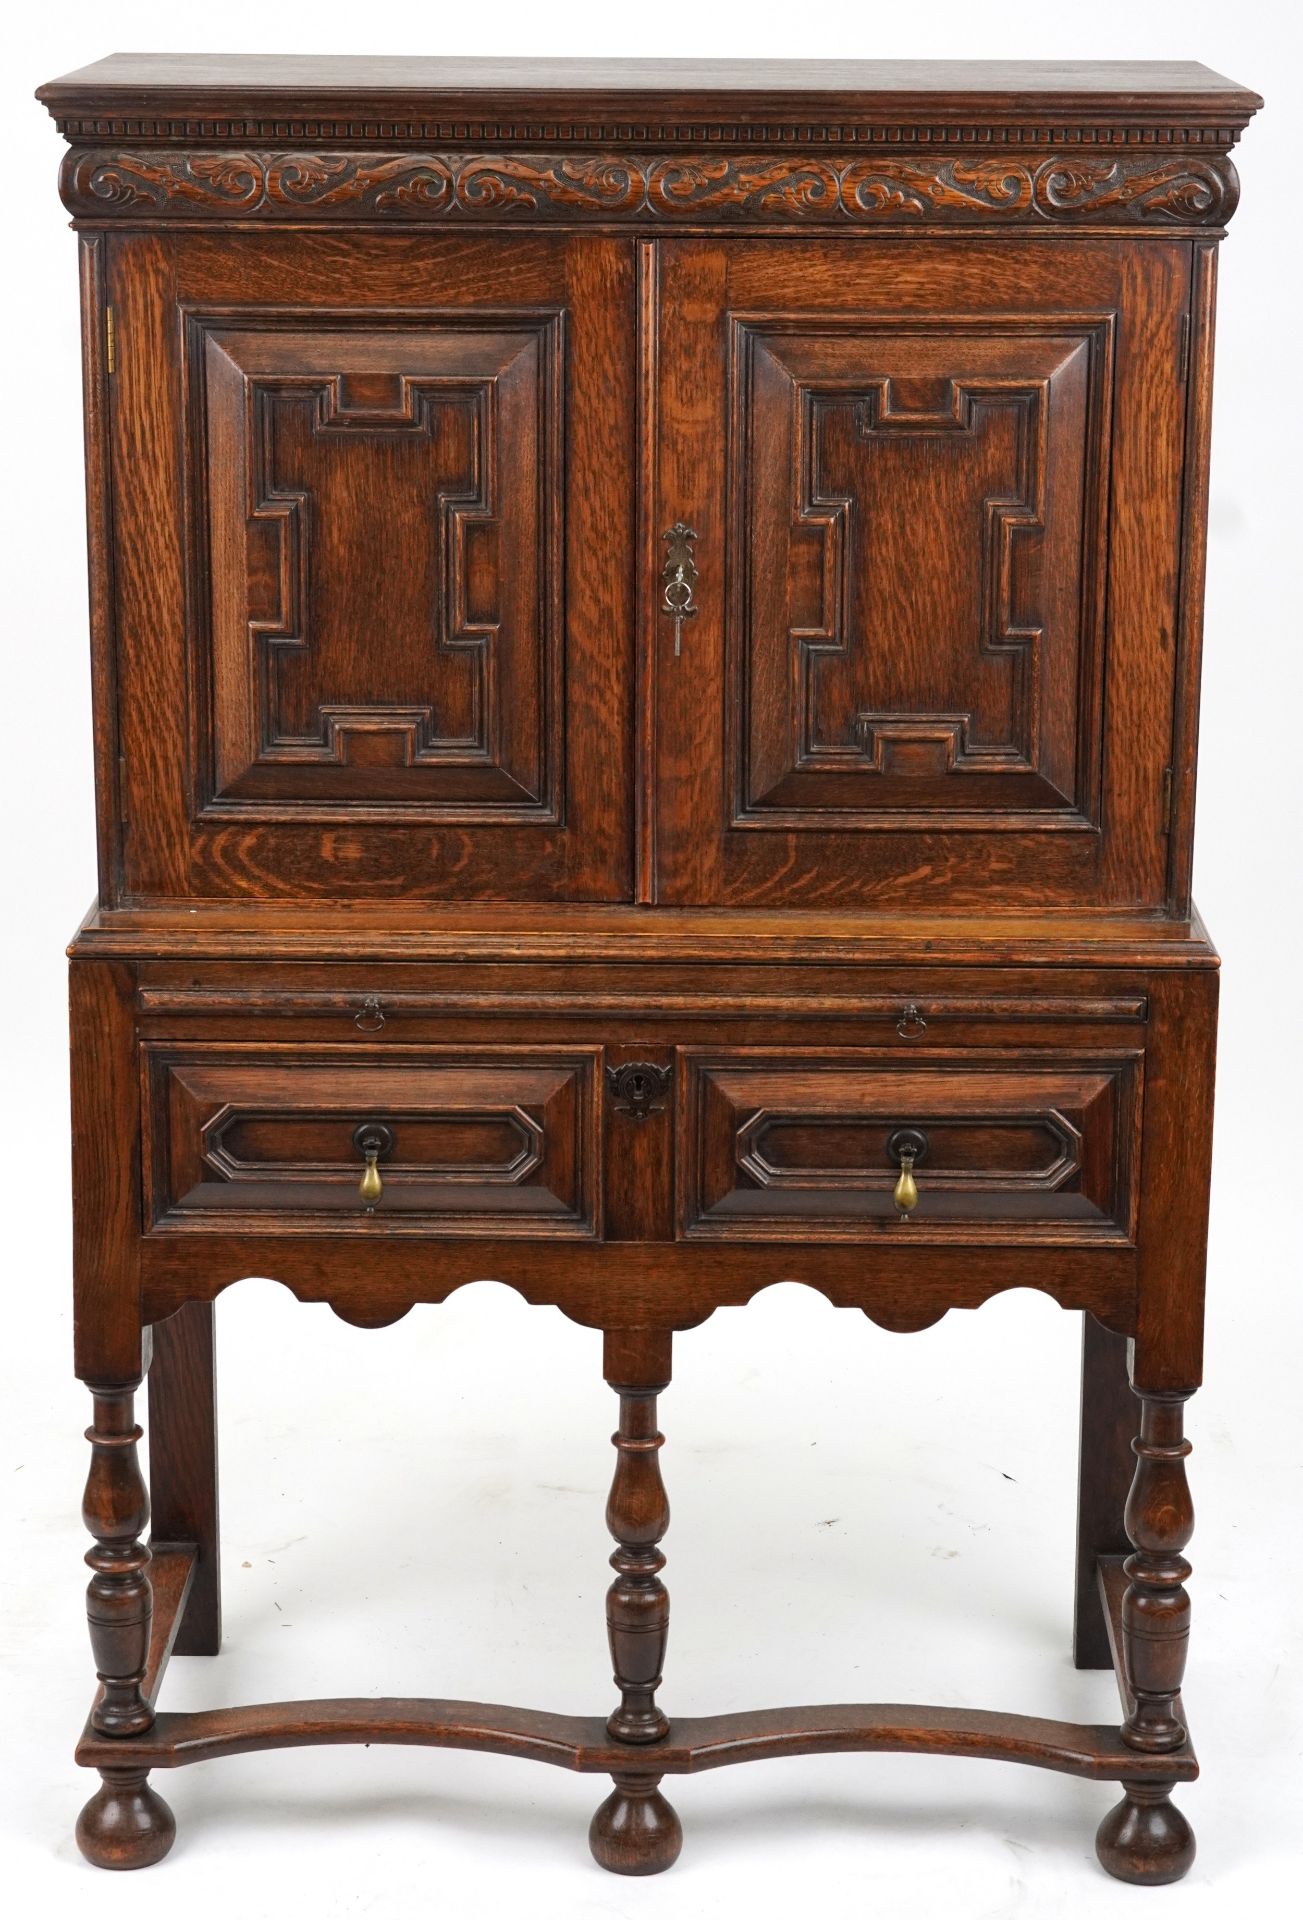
93	250
105	1173
1176	1170
1144	556
150	585
1194	551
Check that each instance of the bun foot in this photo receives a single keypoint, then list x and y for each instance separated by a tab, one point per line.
126	1824
1145	1839
635	1830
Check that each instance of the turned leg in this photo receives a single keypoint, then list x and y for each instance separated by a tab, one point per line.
636	1830
1106	1465
183	1462
1145	1839
125	1824
637	1605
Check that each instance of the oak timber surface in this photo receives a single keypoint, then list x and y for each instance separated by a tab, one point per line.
350	73
522	492
948	91
221	930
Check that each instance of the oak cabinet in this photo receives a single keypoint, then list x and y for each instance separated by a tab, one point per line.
646	626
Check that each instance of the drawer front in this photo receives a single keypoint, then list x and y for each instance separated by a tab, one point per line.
468	1141
773	1146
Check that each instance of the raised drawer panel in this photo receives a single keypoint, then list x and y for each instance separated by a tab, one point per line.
477	1144
777	1147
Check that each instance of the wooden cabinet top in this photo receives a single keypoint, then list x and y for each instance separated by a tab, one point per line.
177	96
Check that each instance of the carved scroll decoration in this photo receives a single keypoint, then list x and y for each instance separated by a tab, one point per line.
1137	189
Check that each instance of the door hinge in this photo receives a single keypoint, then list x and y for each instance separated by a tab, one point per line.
1183	351
110	343
1167	799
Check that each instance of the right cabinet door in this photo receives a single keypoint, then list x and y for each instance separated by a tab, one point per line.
935	494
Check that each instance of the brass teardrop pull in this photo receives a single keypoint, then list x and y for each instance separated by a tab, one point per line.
906	1146
904	1193
371	1140
371	1186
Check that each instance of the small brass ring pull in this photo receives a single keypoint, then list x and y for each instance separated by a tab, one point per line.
911	1023
369	1017
371	1141
906	1146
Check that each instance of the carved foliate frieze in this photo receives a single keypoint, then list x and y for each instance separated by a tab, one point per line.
1144	189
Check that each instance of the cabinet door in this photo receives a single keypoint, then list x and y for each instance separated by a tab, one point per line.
920	673
373	565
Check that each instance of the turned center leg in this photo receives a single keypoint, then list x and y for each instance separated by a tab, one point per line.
636	1830
637	1604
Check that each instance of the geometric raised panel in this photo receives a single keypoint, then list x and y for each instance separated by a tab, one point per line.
918	637
373	602
494	1148
846	1154
791	1145
937	488
376	594
504	1145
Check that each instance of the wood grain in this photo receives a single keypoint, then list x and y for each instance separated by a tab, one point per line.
614	949
696	1746
182	1402
1106	1465
107	1325
169	96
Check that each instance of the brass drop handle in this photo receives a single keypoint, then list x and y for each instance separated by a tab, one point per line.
371	1186
372	1140
906	1146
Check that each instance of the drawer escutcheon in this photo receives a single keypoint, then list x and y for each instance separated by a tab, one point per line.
637	1086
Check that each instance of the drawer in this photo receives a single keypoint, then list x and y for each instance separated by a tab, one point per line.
467	1140
776	1146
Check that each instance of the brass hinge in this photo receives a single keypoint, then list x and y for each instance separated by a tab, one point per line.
1183	351
1167	799
110	353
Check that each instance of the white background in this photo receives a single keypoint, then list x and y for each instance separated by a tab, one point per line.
856	1514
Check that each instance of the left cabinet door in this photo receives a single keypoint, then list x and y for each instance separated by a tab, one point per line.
372	565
